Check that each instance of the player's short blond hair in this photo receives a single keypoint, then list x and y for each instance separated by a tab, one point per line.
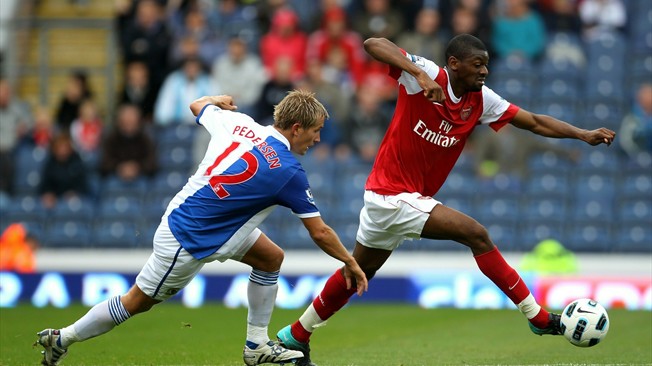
299	106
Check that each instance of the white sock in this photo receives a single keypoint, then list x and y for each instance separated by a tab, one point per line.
529	307
310	320
100	319
261	294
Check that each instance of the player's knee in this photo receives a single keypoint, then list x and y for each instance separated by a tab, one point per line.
478	238
274	260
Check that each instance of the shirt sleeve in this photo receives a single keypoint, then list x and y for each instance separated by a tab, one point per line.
406	79
497	112
214	118
296	195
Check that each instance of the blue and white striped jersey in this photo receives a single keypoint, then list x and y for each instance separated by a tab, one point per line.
248	169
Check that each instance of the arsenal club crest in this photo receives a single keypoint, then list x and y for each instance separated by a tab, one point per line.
465	113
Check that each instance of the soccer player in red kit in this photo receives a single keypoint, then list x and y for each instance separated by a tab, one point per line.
436	111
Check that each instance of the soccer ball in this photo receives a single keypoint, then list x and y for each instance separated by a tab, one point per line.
584	323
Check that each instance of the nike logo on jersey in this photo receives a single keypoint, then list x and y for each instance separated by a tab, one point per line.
582	311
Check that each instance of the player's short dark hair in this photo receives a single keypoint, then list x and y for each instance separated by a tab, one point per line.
463	45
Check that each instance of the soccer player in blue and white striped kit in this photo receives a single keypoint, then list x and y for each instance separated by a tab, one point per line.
248	170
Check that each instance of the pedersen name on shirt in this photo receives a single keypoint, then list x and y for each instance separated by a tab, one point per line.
267	150
434	137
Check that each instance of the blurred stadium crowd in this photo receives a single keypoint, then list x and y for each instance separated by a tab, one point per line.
77	179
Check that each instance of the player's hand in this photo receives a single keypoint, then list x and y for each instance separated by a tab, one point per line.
600	136
225	102
431	89
353	270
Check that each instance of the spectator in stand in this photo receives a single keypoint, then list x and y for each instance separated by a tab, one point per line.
378	19
64	173
285	40
128	152
335	70
17	248
518	31
336	100
600	16
241	74
138	89
14	125
234	19
209	43
145	37
560	16
76	91
367	123
335	34
86	130
464	21
274	90
636	129
425	40
180	88
43	131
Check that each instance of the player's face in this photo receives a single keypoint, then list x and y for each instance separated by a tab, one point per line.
472	71
305	138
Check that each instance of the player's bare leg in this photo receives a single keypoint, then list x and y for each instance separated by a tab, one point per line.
331	299
100	319
265	259
447	223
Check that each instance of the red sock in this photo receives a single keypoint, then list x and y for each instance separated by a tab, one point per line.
331	299
541	319
494	266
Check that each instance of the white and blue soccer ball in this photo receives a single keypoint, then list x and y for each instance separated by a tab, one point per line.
584	322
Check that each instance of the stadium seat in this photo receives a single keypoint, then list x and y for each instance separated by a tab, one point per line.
592	236
547	184
28	167
590	209
595	185
496	208
560	108
176	134
26	208
176	157
459	182
535	231
505	236
634	237
548	209
113	185
459	202
558	87
637	184
598	161
603	113
115	234
169	182
638	209
68	233
74	208
498	184
120	206
548	162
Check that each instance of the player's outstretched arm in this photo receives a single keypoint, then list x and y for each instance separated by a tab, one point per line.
387	52
222	101
328	241
547	126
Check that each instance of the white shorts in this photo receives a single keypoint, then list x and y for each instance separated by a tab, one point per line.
170	267
386	221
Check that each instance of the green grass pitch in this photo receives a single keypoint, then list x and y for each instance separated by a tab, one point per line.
387	335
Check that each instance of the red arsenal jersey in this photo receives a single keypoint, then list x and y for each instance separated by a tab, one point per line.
425	139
